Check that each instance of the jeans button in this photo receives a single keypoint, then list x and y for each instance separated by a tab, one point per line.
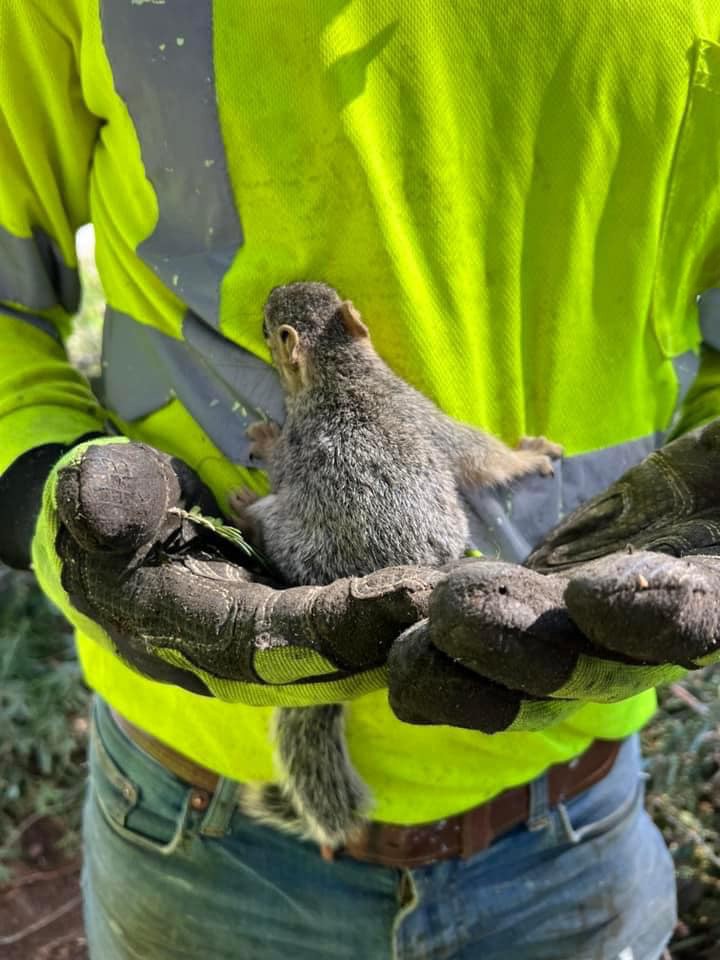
200	800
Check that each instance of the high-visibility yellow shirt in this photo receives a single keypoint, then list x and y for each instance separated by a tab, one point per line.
522	200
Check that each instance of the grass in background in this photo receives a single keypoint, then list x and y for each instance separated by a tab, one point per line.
43	727
682	750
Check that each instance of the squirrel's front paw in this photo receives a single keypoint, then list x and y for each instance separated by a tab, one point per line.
264	435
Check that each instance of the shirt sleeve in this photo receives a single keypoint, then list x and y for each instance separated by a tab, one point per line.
47	136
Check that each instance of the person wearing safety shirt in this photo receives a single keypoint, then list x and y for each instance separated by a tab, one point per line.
524	205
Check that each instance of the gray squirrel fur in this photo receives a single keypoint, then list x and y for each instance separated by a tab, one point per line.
365	474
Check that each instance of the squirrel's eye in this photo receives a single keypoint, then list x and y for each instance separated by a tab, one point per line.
284	334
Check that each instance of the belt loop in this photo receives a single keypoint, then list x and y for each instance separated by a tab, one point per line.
216	822
539	814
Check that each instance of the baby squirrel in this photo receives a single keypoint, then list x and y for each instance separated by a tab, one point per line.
365	474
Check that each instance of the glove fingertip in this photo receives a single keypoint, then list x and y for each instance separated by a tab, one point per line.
648	606
114	498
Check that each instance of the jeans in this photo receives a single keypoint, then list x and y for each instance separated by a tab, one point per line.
590	879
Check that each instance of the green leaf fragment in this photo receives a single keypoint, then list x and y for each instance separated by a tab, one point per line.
218	526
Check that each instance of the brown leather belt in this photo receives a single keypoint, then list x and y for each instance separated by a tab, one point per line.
405	847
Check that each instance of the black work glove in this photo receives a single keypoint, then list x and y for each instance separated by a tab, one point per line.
507	647
113	550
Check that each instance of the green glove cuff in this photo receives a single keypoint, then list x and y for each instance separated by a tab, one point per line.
607	681
275	693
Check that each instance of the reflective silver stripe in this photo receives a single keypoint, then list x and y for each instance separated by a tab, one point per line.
507	524
34	274
708	304
224	387
40	322
686	367
162	61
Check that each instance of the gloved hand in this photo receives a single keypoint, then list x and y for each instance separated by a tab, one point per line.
165	595
510	648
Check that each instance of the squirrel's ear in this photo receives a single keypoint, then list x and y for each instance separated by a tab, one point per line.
289	344
352	321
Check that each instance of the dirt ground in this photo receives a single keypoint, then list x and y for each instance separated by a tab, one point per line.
41	915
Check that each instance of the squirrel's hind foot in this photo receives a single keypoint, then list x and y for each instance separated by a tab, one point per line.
540	445
538	453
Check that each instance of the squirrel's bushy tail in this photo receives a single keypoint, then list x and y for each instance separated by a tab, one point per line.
321	797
